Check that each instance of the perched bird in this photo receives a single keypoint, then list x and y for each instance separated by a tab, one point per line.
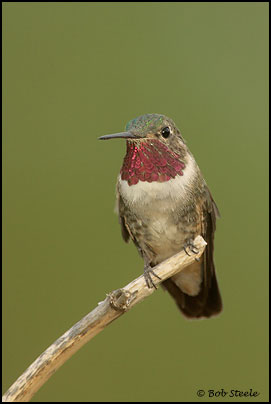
163	203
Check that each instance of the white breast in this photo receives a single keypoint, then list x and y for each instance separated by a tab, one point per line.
160	195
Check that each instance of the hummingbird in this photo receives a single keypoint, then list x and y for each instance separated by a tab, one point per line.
163	203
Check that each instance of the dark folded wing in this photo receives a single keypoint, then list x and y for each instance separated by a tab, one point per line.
125	232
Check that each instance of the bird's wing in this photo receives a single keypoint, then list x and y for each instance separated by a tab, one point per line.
125	231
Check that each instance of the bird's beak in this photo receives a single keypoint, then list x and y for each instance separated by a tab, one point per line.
122	135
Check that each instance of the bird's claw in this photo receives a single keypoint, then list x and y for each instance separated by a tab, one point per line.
148	271
189	245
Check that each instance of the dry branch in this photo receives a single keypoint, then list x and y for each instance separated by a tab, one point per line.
115	304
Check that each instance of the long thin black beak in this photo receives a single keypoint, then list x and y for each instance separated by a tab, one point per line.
122	135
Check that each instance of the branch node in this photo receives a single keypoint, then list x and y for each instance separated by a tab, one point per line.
121	299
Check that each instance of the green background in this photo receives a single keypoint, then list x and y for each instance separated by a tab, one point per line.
76	71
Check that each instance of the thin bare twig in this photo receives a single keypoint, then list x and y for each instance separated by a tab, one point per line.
115	304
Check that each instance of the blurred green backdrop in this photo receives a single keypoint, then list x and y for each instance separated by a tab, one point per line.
73	72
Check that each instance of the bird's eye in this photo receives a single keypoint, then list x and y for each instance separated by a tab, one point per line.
165	132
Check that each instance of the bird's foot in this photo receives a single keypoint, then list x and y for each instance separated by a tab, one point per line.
190	246
148	271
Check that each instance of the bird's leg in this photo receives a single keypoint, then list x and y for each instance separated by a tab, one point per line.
148	271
